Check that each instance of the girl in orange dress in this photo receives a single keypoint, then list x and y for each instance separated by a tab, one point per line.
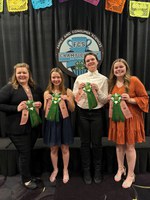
129	94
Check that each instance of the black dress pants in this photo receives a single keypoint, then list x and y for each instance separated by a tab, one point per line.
90	123
24	145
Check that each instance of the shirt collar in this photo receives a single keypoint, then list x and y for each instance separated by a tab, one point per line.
92	73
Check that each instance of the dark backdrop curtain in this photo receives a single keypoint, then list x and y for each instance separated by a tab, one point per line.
32	37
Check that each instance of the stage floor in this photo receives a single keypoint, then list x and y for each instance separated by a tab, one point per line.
75	189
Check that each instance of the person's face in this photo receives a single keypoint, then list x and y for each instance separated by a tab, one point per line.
119	69
91	63
22	75
56	78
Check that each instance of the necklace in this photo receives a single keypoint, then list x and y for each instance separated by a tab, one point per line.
56	91
119	84
27	89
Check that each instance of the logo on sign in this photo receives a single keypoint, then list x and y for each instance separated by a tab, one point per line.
71	49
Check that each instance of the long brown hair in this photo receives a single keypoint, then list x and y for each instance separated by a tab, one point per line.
13	79
112	77
50	86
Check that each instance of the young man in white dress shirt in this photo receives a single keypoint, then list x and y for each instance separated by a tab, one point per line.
90	119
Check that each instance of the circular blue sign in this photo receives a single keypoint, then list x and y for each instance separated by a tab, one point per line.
71	49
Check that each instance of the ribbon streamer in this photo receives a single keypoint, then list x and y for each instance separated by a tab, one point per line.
117	114
92	103
34	117
53	114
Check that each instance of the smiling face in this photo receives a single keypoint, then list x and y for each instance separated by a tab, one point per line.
22	75
56	79
119	69
91	63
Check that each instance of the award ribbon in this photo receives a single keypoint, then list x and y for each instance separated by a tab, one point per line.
53	114
117	114
34	117
92	102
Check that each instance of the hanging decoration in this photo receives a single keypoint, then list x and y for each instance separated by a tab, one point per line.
1	5
139	9
37	4
62	1
115	5
94	2
17	5
136	8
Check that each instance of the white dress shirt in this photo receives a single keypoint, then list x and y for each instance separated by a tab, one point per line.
92	77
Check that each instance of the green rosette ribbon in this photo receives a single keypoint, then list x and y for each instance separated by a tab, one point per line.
117	114
34	117
53	114
92	103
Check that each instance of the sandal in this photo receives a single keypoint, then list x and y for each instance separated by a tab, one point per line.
65	177
120	172
128	182
53	175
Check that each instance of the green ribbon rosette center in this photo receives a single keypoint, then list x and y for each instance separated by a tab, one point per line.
117	114
92	103
53	114
34	117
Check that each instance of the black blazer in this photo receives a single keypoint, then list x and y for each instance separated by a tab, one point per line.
9	100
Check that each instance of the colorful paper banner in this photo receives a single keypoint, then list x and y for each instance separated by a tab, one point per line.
62	1
17	5
94	2
37	4
139	9
115	5
1	5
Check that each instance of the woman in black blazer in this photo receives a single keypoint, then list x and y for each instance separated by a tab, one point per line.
13	101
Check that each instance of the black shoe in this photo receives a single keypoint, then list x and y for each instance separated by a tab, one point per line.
30	185
36	180
98	177
87	177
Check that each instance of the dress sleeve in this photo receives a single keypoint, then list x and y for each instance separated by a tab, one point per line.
141	97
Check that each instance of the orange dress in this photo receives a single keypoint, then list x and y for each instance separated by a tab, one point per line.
131	130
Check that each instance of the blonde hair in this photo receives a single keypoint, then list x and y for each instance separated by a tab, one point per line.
13	79
112	77
50	86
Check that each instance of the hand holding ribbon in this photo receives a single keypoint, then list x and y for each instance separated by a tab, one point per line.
94	87
34	117
53	114
92	102
81	86
22	105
